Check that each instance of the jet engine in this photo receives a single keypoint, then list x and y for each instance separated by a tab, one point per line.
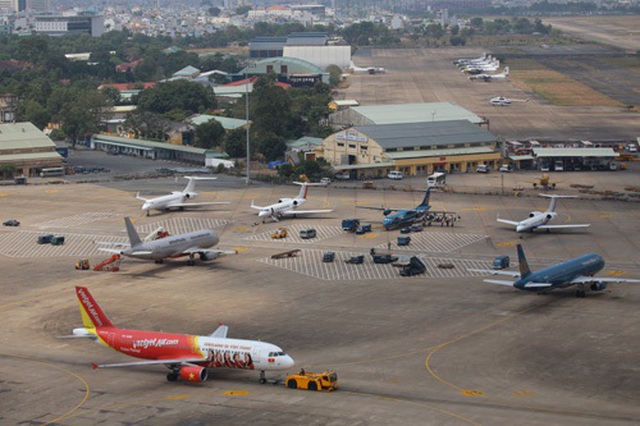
295	203
598	286
386	212
549	216
193	373
208	256
191	195
532	214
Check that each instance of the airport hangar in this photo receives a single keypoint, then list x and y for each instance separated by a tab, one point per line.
27	150
409	138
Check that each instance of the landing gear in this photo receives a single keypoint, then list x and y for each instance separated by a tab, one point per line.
580	293
159	261
263	379
191	260
172	377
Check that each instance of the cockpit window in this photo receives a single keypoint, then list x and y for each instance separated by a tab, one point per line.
275	354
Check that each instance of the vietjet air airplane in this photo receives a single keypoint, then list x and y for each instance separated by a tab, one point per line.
189	244
289	206
187	356
177	199
539	220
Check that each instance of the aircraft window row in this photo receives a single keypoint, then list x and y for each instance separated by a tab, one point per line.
275	354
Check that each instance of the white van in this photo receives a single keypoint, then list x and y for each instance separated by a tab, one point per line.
438	178
394	174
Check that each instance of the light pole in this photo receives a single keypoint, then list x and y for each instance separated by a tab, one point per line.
246	106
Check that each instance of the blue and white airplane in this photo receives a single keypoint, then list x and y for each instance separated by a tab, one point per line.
579	271
403	217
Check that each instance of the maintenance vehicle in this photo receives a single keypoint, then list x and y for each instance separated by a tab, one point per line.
350	225
384	258
45	239
325	381
83	265
404	240
355	260
363	229
279	233
57	240
415	267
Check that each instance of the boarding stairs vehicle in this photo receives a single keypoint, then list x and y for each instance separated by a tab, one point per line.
111	264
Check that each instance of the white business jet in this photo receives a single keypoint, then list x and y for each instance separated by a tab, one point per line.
289	206
177	199
539	220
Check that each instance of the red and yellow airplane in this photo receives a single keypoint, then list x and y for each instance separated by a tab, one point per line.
187	356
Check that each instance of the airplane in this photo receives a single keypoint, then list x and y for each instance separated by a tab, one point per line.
171	246
177	198
289	206
188	357
579	271
484	57
539	220
502	101
370	70
490	77
493	65
404	217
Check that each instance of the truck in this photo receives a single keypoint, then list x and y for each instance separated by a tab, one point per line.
384	258
350	225
325	381
279	233
415	267
363	228
501	262
57	240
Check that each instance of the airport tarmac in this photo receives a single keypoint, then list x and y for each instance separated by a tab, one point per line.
441	348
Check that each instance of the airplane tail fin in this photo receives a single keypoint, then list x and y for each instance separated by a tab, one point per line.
304	188
191	185
522	261
134	238
92	314
425	201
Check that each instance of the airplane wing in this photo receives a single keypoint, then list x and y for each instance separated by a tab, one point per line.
112	243
253	206
568	226
108	250
496	272
382	209
297	212
207	203
221	332
537	285
150	362
509	222
214	253
500	282
597	280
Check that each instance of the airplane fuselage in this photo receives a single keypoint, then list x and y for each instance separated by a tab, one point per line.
218	352
173	246
279	208
535	221
401	218
165	202
561	274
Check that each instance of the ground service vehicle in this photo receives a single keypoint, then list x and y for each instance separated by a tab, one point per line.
350	225
308	233
482	168
83	264
416	227
328	256
501	262
384	258
325	381
415	267
438	178
404	240
355	260
11	222
394	174
57	240
279	233
363	229
45	239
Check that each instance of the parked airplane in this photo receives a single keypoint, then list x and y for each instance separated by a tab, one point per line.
579	271
492	65
188	357
370	70
539	220
502	101
289	206
403	217
173	246
490	77
177	199
482	58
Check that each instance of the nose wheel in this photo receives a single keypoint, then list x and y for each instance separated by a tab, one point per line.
263	379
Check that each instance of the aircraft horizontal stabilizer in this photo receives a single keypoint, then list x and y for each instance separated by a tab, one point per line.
253	206
567	226
500	282
496	272
150	362
509	222
221	332
108	250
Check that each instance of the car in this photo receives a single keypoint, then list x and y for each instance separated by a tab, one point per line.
308	233
405	230
11	222
325	181
416	227
482	168
355	260
394	174
328	257
45	239
501	262
506	168
57	240
363	228
343	176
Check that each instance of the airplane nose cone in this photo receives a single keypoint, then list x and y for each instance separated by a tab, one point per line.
263	213
288	362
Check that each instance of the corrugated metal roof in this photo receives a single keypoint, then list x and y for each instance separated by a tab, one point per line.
147	144
226	122
424	134
413	113
30	156
23	136
574	152
521	157
363	166
303	141
439	152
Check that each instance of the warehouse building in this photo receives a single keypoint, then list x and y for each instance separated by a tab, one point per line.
27	151
148	149
372	151
296	72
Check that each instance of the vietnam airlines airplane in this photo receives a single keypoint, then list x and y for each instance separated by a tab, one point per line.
289	206
188	357
539	220
177	199
579	271
189	244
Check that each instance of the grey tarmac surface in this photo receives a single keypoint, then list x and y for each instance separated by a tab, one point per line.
432	349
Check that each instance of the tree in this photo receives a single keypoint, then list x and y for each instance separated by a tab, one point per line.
271	108
271	146
180	95
236	143
82	115
209	135
148	125
31	111
214	11
335	75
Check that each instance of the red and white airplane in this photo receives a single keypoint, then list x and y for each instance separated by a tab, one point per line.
187	356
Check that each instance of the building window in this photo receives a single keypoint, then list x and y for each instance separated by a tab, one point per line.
284	69
340	144
352	146
363	147
269	69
